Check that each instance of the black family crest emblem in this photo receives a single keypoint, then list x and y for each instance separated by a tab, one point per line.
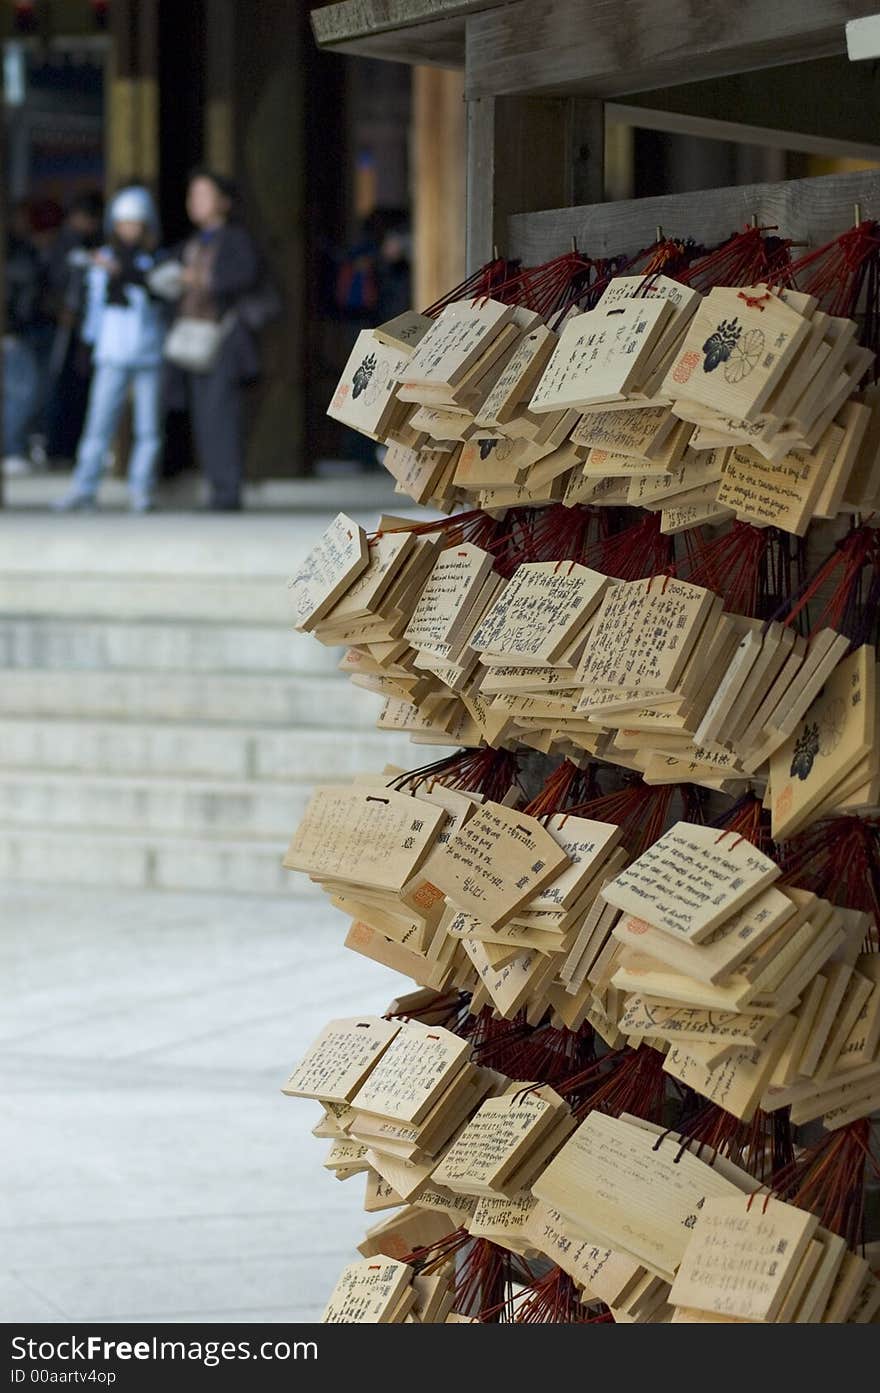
361	379
806	747
739	352
501	449
719	345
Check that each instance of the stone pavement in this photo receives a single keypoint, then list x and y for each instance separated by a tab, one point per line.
152	1170
161	725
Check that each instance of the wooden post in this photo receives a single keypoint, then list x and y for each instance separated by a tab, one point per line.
220	85
132	132
148	91
132	150
438	182
270	117
3	214
585	153
524	154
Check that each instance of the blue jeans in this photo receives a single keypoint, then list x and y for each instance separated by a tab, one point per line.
21	390
109	391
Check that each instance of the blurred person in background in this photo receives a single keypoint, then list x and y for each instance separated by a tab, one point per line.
394	271
44	218
125	323
21	374
224	300
70	361
372	285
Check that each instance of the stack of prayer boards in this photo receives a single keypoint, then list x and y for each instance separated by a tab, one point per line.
758	993
633	885
650	675
643	1225
743	402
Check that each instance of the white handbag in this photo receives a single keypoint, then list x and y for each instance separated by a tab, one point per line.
194	344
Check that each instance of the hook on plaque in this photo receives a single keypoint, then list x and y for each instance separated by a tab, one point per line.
574	245
857	214
659	237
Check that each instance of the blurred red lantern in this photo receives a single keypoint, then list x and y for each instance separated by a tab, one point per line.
99	12
24	16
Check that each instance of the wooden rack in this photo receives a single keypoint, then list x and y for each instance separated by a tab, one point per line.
539	76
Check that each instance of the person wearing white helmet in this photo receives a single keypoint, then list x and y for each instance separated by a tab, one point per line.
126	324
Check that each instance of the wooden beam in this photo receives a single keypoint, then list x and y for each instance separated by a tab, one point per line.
831	100
526	153
613	47
408	31
738	132
808	210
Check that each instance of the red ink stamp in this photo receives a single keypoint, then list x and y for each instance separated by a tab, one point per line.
683	370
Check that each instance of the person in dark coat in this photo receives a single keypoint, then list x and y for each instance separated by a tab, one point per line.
70	362
20	374
220	268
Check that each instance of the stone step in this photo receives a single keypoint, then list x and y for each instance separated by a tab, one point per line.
244	600
201	751
223	567
170	646
232	811
236	547
146	861
327	703
359	491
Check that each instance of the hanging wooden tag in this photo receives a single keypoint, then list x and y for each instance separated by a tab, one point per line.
630	1193
365	398
691	880
404	331
837	732
539	611
600	354
364	597
451	590
720	954
338	558
515	384
782	495
496	862
340	1059
643	634
739	1082
371	1292
496	1140
743	1256
696	469
457	338
407	1081
736	350
376	839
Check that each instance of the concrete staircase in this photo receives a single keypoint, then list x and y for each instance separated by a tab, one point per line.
161	725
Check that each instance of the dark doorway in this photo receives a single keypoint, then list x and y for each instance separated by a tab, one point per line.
181	107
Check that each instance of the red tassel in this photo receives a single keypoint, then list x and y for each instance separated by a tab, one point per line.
829	1179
